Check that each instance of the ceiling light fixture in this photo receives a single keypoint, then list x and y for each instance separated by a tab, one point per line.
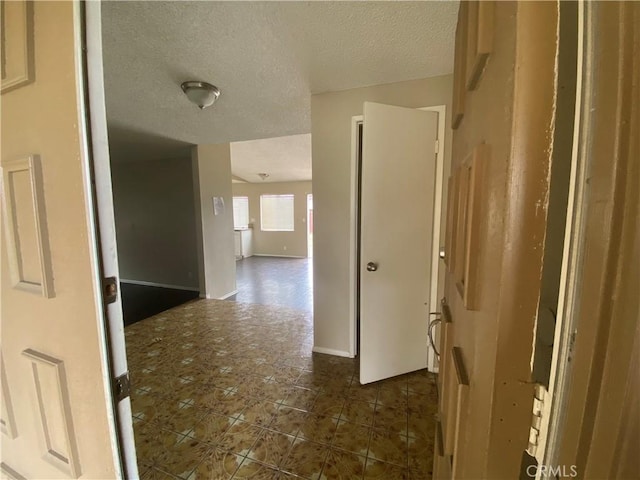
203	94
263	175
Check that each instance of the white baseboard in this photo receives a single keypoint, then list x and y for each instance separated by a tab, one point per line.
276	256
161	285
331	351
224	297
231	294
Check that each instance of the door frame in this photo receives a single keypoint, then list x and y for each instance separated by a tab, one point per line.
572	253
589	418
101	223
309	226
432	364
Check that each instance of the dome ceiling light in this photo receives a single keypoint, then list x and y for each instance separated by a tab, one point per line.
203	94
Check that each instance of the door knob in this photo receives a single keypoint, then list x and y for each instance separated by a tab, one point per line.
372	267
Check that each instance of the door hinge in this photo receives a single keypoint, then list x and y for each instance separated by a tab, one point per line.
536	419
437	146
121	387
109	290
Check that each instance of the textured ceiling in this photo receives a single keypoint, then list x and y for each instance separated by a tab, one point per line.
267	58
284	159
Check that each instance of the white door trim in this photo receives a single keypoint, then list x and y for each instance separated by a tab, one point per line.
80	28
553	413
102	226
434	305
353	231
437	214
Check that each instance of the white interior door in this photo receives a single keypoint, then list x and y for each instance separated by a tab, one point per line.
57	409
397	199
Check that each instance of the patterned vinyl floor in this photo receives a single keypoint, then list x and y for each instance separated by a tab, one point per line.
230	390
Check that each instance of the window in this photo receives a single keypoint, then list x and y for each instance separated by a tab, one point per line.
276	213
240	212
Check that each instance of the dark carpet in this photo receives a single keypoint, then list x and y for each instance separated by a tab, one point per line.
141	301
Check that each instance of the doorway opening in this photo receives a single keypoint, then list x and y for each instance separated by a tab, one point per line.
398	170
181	361
272	246
273	229
439	204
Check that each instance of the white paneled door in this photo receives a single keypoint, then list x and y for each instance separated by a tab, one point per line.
58	418
397	202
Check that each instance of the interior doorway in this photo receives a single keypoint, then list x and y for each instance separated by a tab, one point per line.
276	268
436	278
395	251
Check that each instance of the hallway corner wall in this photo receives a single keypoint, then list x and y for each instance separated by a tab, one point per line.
214	219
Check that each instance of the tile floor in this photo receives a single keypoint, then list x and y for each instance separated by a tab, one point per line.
287	282
229	390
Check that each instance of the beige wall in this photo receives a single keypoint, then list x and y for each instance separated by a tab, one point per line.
331	115
277	243
155	222
211	165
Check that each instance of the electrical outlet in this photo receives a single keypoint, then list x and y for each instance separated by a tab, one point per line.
284	248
